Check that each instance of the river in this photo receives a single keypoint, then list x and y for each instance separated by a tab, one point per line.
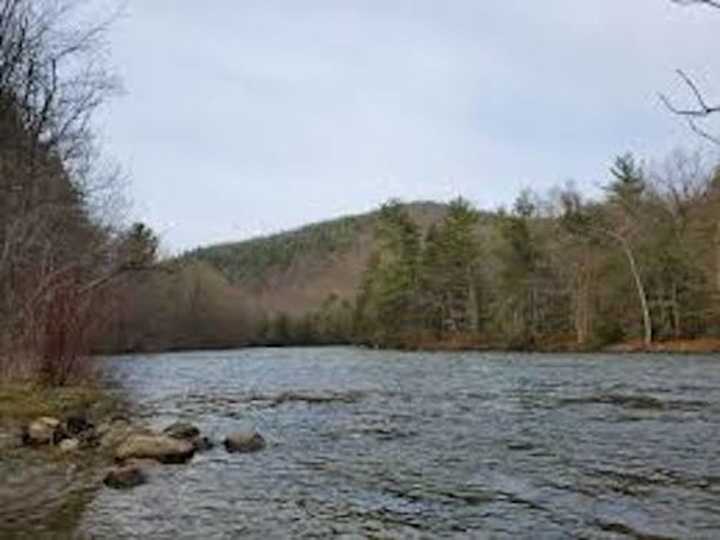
378	444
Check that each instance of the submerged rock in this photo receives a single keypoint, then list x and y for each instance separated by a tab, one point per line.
41	431
125	476
244	441
158	447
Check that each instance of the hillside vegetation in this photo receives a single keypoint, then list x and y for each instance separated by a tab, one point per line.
640	265
296	271
244	292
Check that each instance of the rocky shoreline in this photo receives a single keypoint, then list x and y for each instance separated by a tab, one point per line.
131	450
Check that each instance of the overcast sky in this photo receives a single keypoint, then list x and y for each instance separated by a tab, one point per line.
245	117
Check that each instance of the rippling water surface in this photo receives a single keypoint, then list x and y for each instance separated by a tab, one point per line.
366	444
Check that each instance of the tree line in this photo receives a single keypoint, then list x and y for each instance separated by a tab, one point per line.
640	263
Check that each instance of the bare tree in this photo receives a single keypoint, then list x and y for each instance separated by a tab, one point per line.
56	258
700	109
591	222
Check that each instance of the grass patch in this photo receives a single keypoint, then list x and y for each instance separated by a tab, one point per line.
25	401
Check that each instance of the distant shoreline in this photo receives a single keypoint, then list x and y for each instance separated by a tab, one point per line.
680	346
685	346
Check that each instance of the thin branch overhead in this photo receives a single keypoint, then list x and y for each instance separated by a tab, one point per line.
710	3
702	109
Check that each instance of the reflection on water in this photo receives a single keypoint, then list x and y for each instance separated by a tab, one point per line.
405	445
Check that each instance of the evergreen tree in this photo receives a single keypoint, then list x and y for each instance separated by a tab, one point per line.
519	258
451	251
390	282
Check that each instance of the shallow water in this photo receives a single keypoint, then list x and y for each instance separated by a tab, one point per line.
368	444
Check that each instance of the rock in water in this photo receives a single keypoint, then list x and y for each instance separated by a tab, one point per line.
125	477
244	441
203	444
182	430
111	435
189	432
41	431
69	445
158	447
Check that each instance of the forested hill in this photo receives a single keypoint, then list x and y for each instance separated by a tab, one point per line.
234	294
560	271
296	271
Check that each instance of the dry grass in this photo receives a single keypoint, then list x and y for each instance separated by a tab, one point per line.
21	401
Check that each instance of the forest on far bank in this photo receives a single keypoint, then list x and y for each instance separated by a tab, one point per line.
559	271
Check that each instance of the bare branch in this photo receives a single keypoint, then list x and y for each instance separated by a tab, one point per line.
709	3
702	111
702	133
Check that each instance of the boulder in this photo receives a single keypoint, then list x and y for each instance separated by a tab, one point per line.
158	447
244	441
69	445
182	430
111	423
41	431
125	477
188	432
112	434
145	464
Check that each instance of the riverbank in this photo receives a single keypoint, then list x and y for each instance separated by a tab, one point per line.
459	344
468	344
20	403
45	491
678	346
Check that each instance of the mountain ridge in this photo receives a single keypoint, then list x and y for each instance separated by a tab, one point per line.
295	271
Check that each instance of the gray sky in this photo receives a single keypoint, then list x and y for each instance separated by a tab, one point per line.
245	117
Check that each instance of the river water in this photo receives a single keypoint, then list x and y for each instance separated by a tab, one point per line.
377	444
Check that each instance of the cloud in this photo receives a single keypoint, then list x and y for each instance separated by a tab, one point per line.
256	116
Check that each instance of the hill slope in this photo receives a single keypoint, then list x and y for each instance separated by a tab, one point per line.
294	272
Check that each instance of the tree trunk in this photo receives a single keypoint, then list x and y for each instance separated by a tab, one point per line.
677	320
717	258
472	303
582	300
647	322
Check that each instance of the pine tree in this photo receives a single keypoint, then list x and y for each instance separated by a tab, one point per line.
390	283
519	258
451	251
